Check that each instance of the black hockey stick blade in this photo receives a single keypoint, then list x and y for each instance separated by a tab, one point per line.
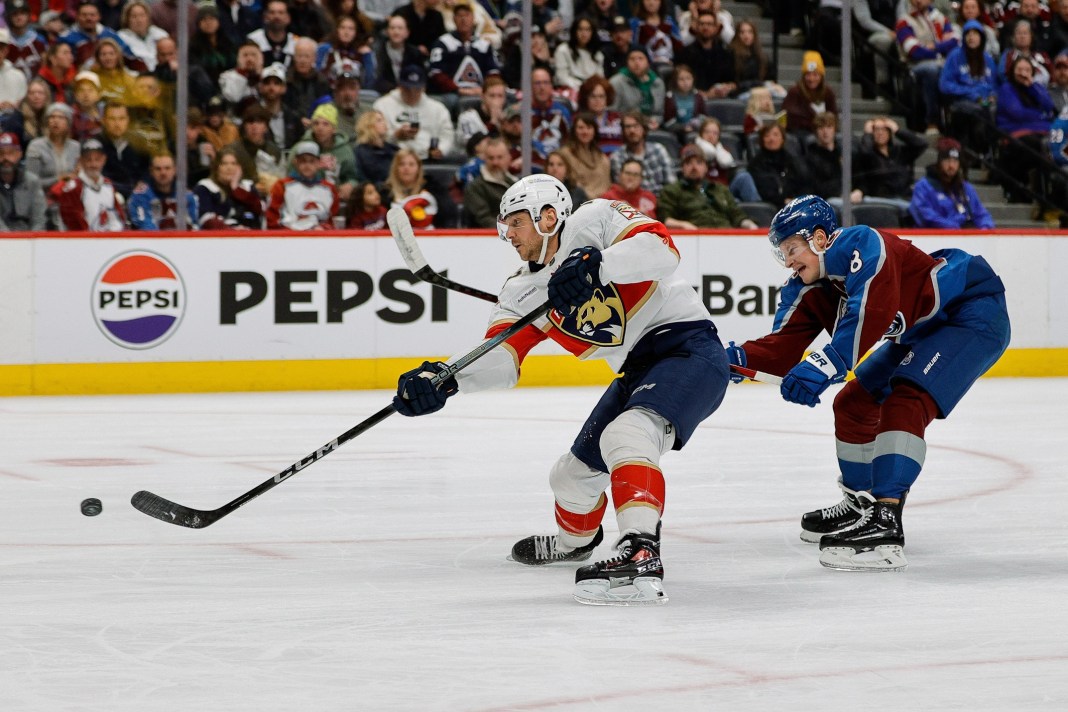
173	513
401	229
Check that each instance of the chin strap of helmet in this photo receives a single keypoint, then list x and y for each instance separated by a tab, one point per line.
544	236
820	253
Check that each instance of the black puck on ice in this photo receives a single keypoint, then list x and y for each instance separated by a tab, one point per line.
91	507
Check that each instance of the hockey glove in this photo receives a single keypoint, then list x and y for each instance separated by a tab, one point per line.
574	280
736	356
808	379
416	395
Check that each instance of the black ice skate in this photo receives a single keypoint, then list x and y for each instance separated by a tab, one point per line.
832	520
876	543
633	577
541	549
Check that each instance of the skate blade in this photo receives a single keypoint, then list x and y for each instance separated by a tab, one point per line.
810	537
644	591
888	557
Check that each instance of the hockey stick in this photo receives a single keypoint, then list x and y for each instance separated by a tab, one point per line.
401	228
165	510
758	376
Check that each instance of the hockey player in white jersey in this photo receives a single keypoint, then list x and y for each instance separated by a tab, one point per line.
609	272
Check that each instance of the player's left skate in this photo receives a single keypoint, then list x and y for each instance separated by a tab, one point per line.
542	549
875	543
634	577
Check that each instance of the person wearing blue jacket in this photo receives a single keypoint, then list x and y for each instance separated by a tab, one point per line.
943	199
968	84
1024	112
153	204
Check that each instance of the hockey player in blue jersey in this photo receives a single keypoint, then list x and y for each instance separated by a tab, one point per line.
944	320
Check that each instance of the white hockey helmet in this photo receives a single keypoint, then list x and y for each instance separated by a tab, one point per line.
532	195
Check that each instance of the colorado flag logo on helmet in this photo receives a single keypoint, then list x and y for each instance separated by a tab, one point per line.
138	300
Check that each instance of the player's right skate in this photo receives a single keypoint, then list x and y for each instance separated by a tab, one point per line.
634	577
543	549
876	543
832	520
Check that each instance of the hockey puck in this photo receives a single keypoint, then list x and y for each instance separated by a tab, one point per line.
91	507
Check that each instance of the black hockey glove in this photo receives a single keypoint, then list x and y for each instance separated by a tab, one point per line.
573	282
416	395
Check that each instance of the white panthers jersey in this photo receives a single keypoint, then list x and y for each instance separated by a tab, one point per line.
641	294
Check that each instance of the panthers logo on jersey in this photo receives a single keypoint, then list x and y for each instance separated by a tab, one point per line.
602	321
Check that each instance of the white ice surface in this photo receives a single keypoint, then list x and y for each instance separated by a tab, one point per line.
377	579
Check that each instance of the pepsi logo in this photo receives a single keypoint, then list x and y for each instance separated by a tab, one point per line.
138	300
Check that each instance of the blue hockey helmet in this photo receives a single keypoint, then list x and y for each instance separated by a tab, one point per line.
801	216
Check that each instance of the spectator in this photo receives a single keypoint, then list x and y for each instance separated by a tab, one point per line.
151	126
711	60
620	44
275	40
883	165
209	47
629	188
259	156
595	96
658	168
968	85
487	116
226	200
336	157
199	151
482	198
811	95
138	32
238	20
824	160
303	200
602	15
27	47
165	14
12	79
722	163
240	83
687	19
943	199
779	176
656	32
87	31
549	19
416	121
925	37
88	110
218	129
394	52
89	201
582	151
512	56
1021	44
32	110
154	203
550	117
752	66
359	11
425	24
374	151
365	211
877	19
683	107
558	167
1037	15
52	26
974	10
308	19
1058	83
485	27
346	46
125	164
639	88
305	85
580	57
201	88
1024	112
116	82
346	99
22	201
54	157
58	70
760	110
1058	28
423	199
694	202
460	61
284	121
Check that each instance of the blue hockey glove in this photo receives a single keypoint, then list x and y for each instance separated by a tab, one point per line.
736	355
416	395
808	379
573	282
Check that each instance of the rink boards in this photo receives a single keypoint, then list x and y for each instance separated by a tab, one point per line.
196	312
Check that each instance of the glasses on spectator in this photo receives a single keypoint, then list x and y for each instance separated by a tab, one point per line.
633	174
598	95
632	125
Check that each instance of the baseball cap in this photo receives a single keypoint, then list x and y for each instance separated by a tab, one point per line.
92	144
345	71
948	148
61	109
13	6
306	148
691	150
9	140
512	112
413	75
620	23
87	76
215	105
275	71
49	15
5	36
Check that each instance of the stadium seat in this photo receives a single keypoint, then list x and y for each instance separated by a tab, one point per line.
760	213
875	215
668	141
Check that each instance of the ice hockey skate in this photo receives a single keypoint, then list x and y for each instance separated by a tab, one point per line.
832	520
875	543
634	577
543	549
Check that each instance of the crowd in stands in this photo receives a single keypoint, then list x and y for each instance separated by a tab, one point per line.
315	114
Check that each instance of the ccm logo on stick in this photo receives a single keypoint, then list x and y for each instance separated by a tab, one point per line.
339	291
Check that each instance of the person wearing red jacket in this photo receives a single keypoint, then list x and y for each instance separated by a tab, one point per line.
629	189
89	201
